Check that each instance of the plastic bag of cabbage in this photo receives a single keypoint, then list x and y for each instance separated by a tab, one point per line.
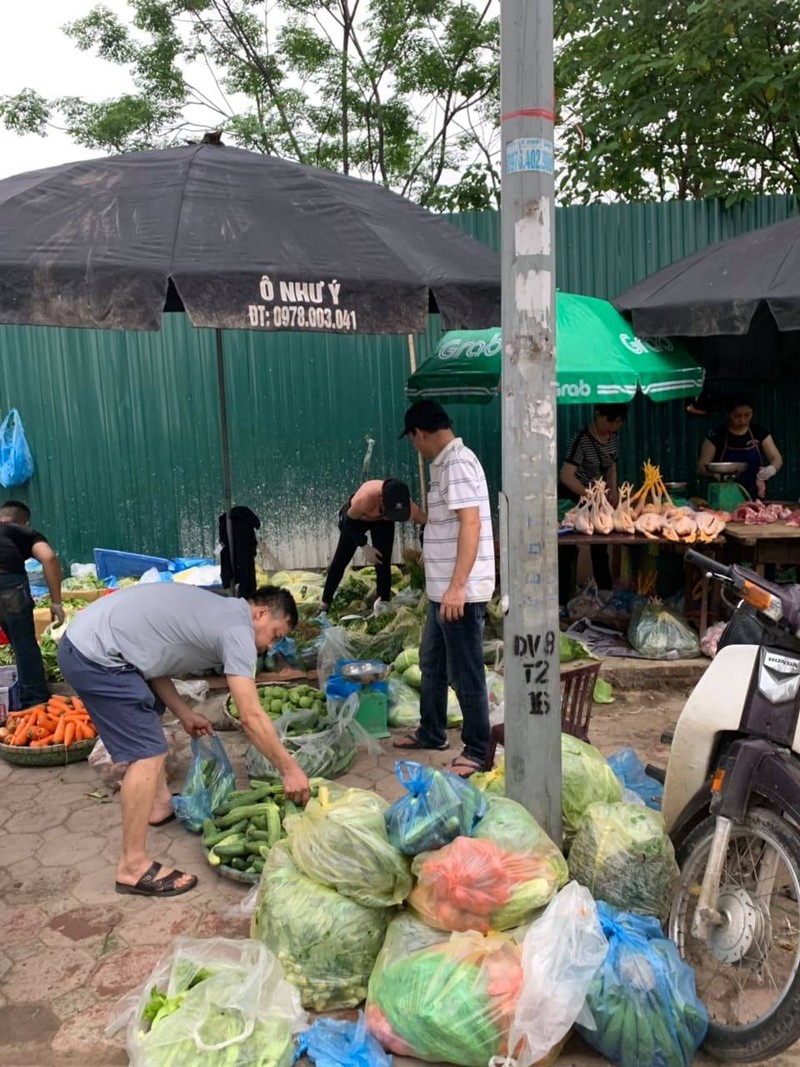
643	999
326	943
623	855
213	1003
585	778
341	841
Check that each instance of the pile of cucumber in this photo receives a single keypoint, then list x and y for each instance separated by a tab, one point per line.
244	828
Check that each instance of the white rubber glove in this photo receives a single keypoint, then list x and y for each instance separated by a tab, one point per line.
765	473
57	614
371	555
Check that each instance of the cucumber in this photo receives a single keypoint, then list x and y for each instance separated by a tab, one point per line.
229	849
210	840
257	835
238	863
274	824
241	800
248	812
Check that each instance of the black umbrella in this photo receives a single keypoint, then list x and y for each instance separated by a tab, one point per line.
739	300
236	239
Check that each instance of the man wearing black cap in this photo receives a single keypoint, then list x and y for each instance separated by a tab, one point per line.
459	581
373	509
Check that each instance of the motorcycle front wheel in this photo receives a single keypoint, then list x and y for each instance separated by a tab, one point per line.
748	969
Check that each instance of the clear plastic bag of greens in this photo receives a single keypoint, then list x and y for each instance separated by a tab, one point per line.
455	716
209	780
403	705
643	1000
452	1000
623	855
560	956
585	778
342	842
657	632
335	645
326	942
437	807
492	782
211	1003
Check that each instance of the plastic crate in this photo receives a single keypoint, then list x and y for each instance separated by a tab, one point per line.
9	683
113	564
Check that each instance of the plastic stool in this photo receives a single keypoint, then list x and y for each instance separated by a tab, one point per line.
373	709
577	689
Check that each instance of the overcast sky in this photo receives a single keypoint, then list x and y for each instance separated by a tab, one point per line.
37	55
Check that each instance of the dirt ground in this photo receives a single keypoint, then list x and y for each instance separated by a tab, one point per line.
70	946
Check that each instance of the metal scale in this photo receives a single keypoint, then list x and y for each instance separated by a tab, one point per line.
724	492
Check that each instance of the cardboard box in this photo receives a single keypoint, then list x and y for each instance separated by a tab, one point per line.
82	594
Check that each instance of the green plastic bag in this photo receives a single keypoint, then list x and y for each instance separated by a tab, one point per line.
326	942
585	778
623	855
342	842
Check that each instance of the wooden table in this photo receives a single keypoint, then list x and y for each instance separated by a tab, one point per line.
776	543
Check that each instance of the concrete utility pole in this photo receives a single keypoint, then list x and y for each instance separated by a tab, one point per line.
529	563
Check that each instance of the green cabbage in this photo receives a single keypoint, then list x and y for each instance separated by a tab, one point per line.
585	778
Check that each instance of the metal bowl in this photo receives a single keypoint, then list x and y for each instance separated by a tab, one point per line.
365	671
727	468
677	487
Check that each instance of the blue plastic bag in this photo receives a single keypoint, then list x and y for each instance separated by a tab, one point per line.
437	808
643	998
16	461
627	766
209	780
339	1043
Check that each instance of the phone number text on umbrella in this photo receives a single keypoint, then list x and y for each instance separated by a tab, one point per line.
301	307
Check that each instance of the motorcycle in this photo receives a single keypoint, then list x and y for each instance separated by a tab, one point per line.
732	808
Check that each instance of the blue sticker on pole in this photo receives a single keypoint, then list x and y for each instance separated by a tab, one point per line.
529	153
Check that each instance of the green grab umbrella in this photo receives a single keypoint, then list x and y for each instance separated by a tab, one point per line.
599	360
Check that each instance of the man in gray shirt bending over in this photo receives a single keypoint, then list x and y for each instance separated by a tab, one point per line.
120	656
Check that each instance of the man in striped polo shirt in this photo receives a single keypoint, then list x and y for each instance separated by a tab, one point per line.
459	581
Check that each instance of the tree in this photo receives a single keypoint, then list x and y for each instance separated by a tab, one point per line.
404	92
663	99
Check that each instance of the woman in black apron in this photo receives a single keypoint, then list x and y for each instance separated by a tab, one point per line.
592	454
741	440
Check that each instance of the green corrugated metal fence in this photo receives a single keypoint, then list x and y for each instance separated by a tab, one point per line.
125	432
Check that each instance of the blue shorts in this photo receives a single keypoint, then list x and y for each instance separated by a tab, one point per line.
124	709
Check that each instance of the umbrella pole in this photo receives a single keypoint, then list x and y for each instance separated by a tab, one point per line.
423	491
227	484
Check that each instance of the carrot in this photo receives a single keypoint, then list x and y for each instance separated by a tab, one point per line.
78	704
20	733
58	704
60	730
41	743
69	734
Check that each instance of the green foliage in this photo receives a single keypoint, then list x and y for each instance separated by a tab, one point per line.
391	90
678	99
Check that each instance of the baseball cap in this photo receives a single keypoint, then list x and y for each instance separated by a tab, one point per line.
426	415
396	498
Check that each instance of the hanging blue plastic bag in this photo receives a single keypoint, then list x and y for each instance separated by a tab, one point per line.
16	461
643	998
630	770
209	780
339	1043
437	808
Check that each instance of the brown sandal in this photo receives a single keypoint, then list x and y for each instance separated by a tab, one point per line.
465	766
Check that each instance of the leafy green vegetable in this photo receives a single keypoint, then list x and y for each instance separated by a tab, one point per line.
602	692
585	778
327	943
49	650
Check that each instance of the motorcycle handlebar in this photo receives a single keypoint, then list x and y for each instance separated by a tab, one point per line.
711	566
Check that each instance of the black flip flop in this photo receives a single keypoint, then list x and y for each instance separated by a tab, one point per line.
150	886
163	822
414	743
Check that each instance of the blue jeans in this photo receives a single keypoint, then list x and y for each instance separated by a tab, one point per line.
452	653
16	619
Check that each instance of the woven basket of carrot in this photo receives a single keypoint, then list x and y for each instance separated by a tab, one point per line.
48	735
